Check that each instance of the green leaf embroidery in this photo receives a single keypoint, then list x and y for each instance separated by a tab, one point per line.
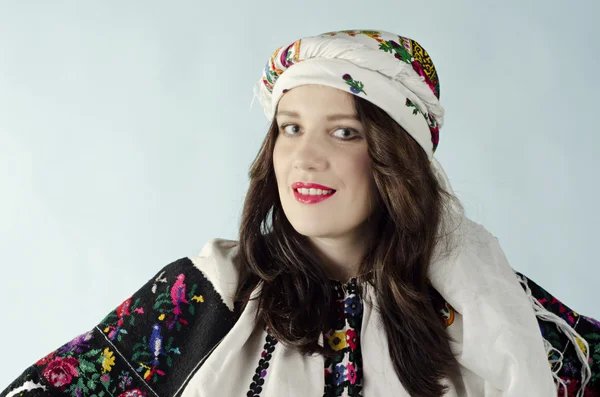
160	302
90	353
141	344
593	337
139	354
81	386
356	87
72	389
110	317
169	343
86	366
192	291
393	47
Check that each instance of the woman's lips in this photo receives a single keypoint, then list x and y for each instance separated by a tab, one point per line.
309	185
311	199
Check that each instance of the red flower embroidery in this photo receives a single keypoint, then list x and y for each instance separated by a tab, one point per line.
351	373
133	393
351	338
419	69
60	371
46	360
572	386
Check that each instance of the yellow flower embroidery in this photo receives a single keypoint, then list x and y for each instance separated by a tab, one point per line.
198	298
109	360
337	340
161	317
148	372
581	345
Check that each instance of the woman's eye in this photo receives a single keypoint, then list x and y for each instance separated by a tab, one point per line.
346	133
342	133
290	131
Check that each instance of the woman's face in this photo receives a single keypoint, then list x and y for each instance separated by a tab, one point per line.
322	142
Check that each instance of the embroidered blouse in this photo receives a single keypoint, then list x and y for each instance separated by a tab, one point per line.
179	335
343	371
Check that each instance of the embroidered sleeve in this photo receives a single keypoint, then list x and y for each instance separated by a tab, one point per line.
149	346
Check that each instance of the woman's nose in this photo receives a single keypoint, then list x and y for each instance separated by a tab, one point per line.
309	154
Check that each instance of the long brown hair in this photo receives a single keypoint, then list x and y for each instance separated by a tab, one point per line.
295	296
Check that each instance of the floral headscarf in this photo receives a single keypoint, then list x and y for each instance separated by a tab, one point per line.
405	83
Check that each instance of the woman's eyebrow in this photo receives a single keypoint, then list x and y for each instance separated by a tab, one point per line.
331	117
287	113
341	117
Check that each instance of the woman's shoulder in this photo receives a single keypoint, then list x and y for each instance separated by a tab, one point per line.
218	261
213	273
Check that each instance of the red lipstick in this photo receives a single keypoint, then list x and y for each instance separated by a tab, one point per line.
307	198
302	185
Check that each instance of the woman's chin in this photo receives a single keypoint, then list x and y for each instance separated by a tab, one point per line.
309	228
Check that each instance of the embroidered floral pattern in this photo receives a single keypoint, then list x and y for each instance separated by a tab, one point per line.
353	33
287	58
423	65
61	371
143	348
588	328
343	371
412	105
115	321
78	370
94	365
435	131
355	86
399	51
433	126
153	350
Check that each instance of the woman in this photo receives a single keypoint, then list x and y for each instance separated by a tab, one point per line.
356	272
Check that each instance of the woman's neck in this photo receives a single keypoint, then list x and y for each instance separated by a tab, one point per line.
341	256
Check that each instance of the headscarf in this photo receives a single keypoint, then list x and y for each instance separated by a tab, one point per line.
393	72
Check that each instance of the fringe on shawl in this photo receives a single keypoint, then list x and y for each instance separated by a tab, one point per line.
574	338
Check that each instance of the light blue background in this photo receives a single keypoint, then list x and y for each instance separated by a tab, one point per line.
126	135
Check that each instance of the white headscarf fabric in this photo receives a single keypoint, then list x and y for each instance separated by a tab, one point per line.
395	73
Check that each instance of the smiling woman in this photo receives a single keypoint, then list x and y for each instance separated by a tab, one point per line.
316	154
356	272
